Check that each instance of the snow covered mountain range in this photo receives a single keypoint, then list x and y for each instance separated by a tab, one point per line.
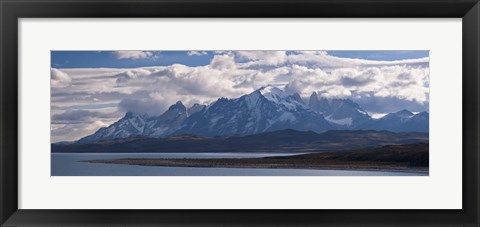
264	110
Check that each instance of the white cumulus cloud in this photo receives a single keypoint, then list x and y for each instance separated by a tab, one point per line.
196	53
59	79
133	54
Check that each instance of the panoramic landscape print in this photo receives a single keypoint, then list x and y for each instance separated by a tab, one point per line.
240	113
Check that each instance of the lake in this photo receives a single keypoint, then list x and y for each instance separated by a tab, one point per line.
63	164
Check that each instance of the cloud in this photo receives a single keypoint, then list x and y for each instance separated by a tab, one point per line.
149	106
389	104
223	62
196	53
377	115
133	54
82	116
231	74
74	131
59	79
321	59
398	81
262	57
68	125
234	73
127	75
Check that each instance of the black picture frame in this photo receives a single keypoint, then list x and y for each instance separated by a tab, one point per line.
12	10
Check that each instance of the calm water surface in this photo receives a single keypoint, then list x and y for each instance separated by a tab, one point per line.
70	165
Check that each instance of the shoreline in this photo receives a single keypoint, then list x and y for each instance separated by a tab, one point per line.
264	163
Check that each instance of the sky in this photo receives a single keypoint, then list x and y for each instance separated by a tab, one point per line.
93	89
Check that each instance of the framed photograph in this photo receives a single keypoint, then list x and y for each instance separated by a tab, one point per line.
240	113
227	113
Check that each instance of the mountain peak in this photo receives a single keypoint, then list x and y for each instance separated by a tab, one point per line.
269	89
195	108
400	121
279	97
314	96
422	115
178	106
130	114
312	102
339	111
273	93
403	112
